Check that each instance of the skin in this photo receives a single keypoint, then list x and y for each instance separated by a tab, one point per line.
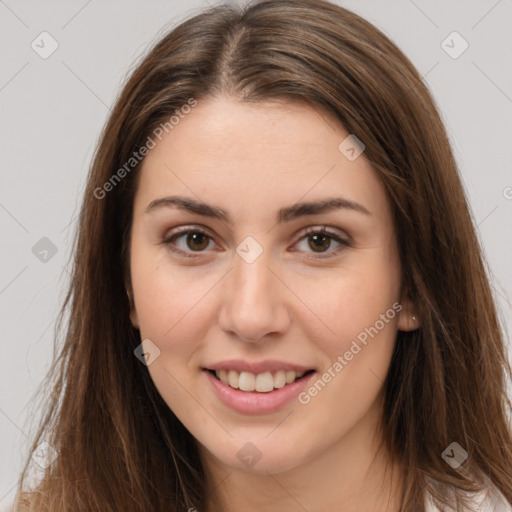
297	302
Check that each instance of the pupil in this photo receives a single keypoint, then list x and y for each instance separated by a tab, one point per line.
317	238
196	238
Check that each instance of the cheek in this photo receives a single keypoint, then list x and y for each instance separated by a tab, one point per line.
173	305
351	303
171	309
362	311
173	312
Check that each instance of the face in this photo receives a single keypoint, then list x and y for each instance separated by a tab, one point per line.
261	250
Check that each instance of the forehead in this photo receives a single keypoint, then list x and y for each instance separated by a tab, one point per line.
245	154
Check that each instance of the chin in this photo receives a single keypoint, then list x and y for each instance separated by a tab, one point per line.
258	457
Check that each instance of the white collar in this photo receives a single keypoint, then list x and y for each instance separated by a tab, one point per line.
489	500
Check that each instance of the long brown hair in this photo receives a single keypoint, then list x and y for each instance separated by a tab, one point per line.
119	445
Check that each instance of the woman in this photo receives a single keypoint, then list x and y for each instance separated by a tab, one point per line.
278	298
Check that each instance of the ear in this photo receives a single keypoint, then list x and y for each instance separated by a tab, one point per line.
133	310
133	318
408	319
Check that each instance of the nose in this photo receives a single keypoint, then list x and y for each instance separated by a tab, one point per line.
254	302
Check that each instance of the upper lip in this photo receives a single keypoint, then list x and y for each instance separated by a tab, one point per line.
257	367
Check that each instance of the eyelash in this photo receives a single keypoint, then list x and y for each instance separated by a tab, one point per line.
308	233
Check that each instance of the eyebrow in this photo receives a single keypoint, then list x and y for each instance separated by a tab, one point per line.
284	214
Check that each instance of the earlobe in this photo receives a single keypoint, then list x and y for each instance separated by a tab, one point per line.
133	311
408	321
408	318
133	318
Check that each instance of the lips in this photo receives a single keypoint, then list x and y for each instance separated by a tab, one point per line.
255	402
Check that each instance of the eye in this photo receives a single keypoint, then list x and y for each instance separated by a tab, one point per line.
188	241
320	240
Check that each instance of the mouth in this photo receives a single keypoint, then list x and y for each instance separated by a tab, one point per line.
265	382
265	392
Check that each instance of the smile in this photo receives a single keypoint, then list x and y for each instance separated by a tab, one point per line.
261	382
257	393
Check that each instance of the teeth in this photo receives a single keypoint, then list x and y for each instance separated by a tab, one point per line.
262	382
279	379
289	376
246	381
233	379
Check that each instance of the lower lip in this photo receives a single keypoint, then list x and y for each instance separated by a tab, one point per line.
254	402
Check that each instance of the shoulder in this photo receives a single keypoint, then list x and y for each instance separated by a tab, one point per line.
488	500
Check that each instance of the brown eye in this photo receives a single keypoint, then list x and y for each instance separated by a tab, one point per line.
187	242
319	243
197	241
322	242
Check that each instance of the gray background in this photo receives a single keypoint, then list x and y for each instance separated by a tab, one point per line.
52	111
